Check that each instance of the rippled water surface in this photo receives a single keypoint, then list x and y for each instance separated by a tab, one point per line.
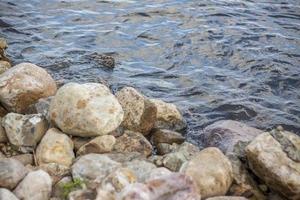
222	59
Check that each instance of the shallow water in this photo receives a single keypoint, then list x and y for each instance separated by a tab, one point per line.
215	59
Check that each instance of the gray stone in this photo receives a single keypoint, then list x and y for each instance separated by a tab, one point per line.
5	194
141	168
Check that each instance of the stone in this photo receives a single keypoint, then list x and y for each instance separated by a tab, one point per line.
3	43
166	136
141	168
274	158
41	107
165	148
58	189
105	195
5	194
84	194
25	159
93	168
227	134
125	157
23	84
11	173
168	116
24	131
3	111
226	198
212	172
175	186
3	137
139	112
55	170
118	179
37	185
100	144
157	173
85	110
79	142
55	147
133	142
4	65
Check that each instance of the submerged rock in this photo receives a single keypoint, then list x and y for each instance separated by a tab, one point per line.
11	173
133	142
211	171
85	110
55	147
274	158
24	131
139	112
168	116
23	84
100	144
37	185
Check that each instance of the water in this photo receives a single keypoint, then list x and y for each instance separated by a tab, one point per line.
216	60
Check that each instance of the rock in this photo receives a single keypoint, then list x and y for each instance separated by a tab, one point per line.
100	144
166	136
79	142
55	147
118	179
3	43
83	194
37	185
3	137
139	112
93	168
227	198
211	171
4	65
102	59
125	157
5	194
157	173
227	135
168	116
23	84
105	195
3	111
164	148
41	107
2	156
133	142
141	168
175	186
56	171
24	131
274	158
85	110
58	189
11	173
25	159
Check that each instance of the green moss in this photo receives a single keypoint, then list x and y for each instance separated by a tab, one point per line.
67	188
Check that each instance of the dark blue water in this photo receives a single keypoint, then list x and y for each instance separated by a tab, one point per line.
216	60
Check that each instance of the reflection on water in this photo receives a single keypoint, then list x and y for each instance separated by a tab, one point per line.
214	59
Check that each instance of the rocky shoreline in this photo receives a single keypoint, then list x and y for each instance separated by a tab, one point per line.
81	141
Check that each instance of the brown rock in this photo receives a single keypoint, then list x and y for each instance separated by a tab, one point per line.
100	144
166	136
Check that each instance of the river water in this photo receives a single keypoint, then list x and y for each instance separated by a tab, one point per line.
215	59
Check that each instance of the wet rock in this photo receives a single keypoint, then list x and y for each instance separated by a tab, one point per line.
3	43
273	157
23	84
139	112
5	194
118	179
25	159
227	198
133	142
3	46
84	194
37	185
102	59
166	136
55	147
24	131
4	65
85	110
93	168
100	144
141	168
211	171
11	173
168	116
3	137
170	187
227	135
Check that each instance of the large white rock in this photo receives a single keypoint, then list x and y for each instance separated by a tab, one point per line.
55	147
24	131
37	185
275	158
23	84
139	112
85	110
212	172
5	194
